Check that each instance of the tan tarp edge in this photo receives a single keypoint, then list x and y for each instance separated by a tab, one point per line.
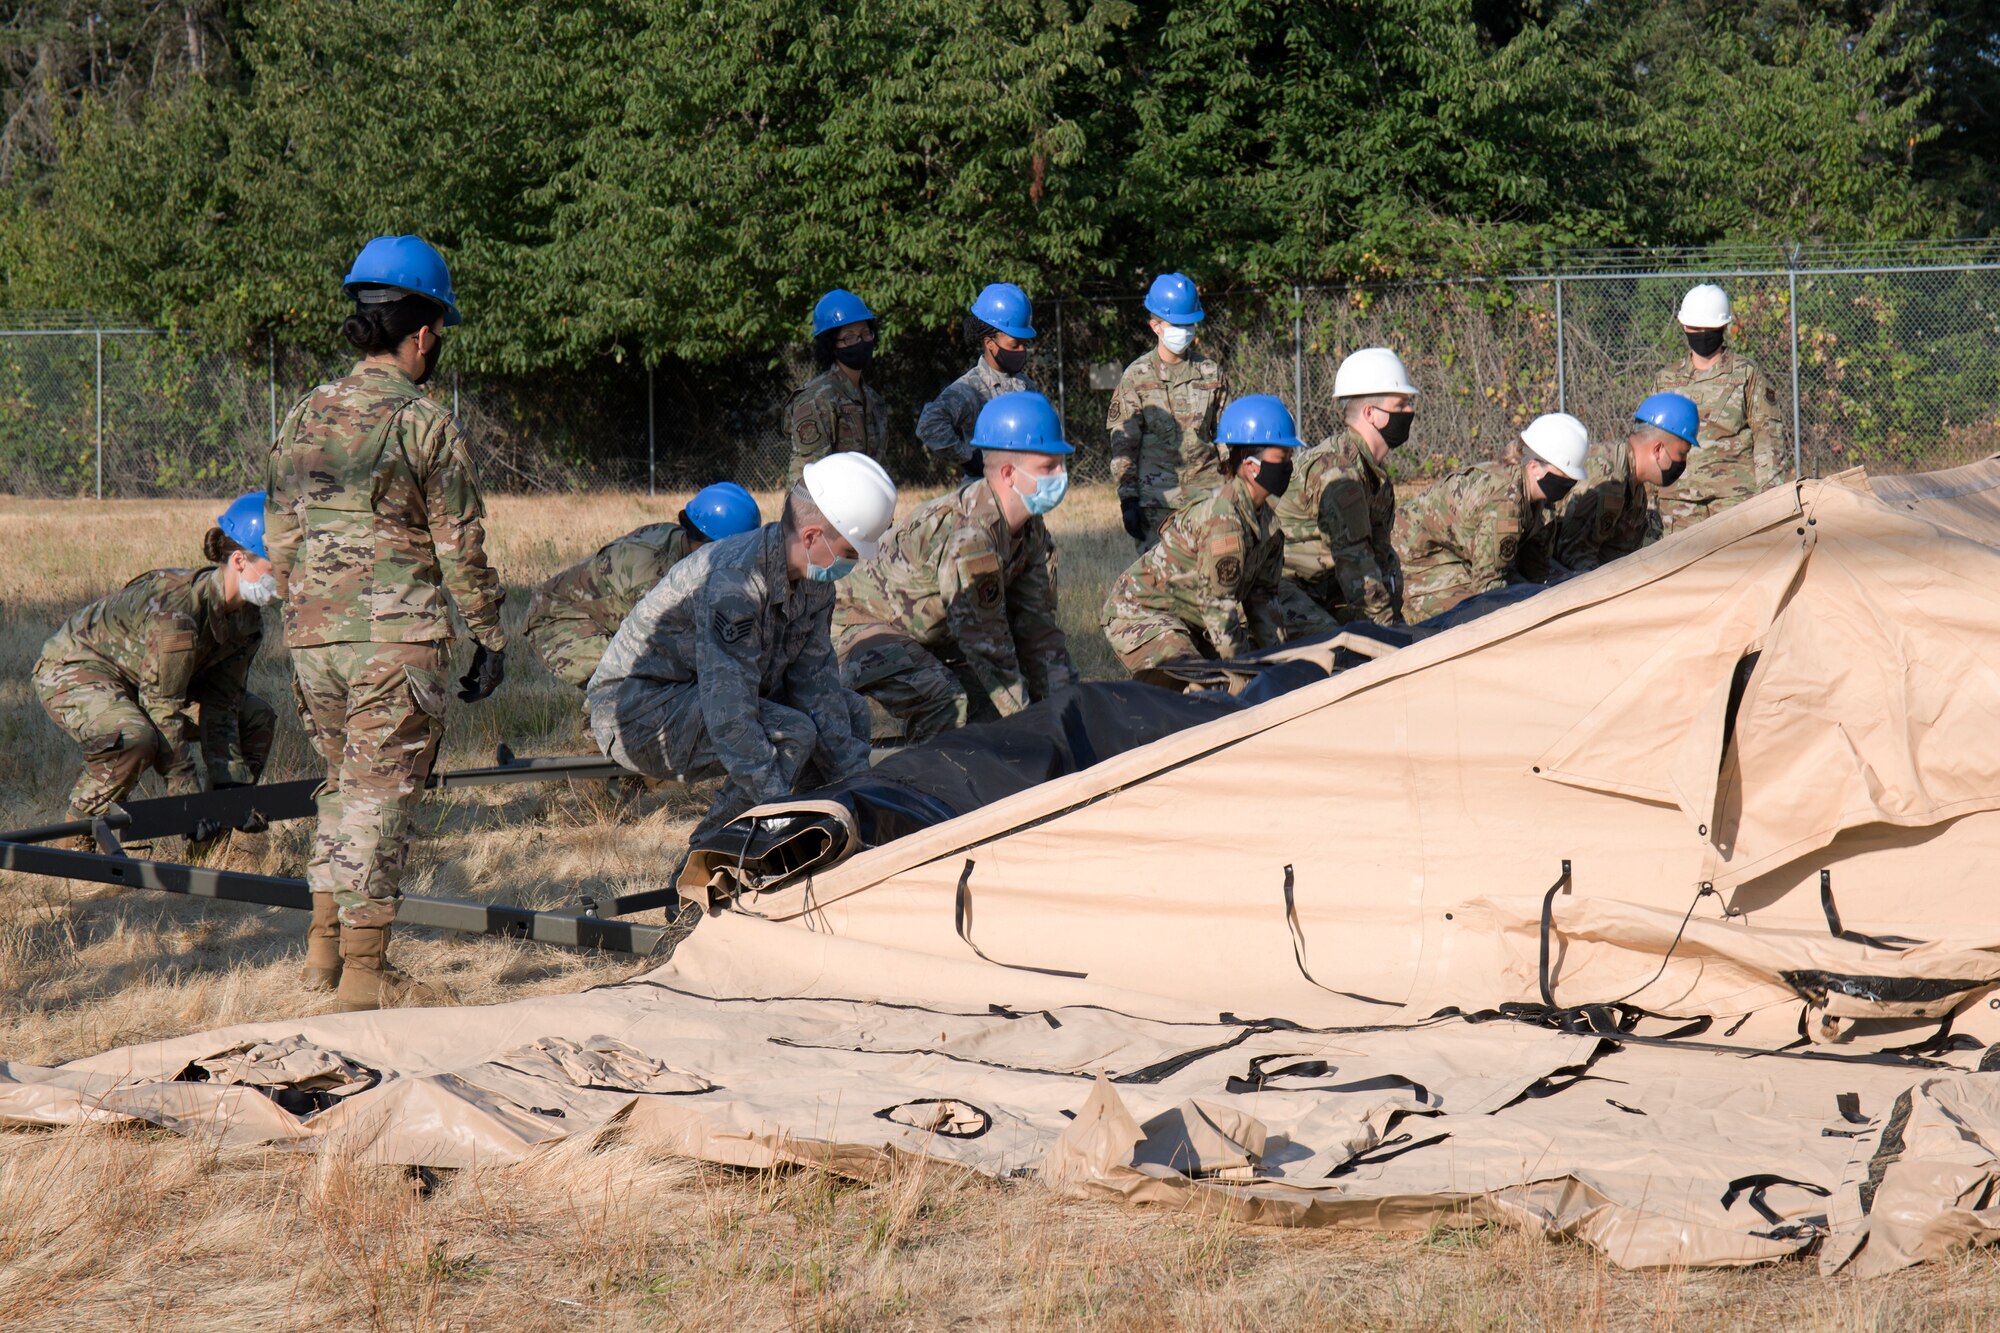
1256	967
1388	1127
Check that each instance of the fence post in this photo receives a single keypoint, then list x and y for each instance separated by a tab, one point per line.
1062	390
271	376
1792	310
652	475
99	334
1298	352
1562	387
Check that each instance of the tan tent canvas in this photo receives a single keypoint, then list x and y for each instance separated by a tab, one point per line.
1291	963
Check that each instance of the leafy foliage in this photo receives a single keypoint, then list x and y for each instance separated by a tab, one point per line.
673	178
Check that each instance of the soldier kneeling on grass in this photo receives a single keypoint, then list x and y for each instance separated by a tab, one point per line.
726	669
956	618
138	677
572	617
1210	587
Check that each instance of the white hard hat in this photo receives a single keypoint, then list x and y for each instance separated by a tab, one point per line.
1705	307
1371	370
1559	440
856	495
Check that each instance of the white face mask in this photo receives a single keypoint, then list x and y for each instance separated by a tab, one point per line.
259	592
1177	338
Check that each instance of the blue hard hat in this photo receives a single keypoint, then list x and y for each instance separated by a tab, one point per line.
1174	299
406	263
1673	413
837	308
1258	420
243	523
722	510
1024	422
1006	308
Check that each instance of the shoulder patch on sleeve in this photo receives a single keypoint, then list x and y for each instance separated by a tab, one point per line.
977	563
1228	572
1228	544
179	642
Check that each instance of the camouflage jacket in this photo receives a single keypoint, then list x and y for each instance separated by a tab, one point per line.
373	512
832	414
1606	517
730	619
167	637
945	425
1214	571
1338	519
1473	531
1742	443
597	594
1162	428
952	576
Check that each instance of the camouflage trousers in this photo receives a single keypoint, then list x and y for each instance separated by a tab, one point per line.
375	713
1170	645
121	744
662	732
571	649
925	693
1303	611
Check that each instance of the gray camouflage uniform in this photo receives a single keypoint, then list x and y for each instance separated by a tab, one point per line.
945	425
725	669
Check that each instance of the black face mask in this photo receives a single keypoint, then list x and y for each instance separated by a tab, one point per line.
1010	363
431	359
1275	477
1396	433
1704	342
1670	475
1555	486
855	356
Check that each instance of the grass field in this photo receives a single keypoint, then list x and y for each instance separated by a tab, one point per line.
144	1230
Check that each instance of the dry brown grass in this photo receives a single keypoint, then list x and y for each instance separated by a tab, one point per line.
145	1230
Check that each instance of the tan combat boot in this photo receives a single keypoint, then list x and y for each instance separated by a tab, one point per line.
368	982
323	944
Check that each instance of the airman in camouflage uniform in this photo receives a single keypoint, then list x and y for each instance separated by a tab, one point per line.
1338	518
947	421
1162	427
1207	588
572	617
833	413
956	617
725	669
1742	442
997	325
1475	530
374	513
139	676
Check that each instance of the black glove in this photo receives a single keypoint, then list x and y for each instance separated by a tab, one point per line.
254	822
973	468
1135	521
489	668
207	830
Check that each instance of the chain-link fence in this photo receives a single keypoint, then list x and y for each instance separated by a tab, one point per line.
1888	356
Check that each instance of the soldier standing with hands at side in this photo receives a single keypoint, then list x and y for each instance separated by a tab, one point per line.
998	325
374	513
1741	442
1163	414
838	410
